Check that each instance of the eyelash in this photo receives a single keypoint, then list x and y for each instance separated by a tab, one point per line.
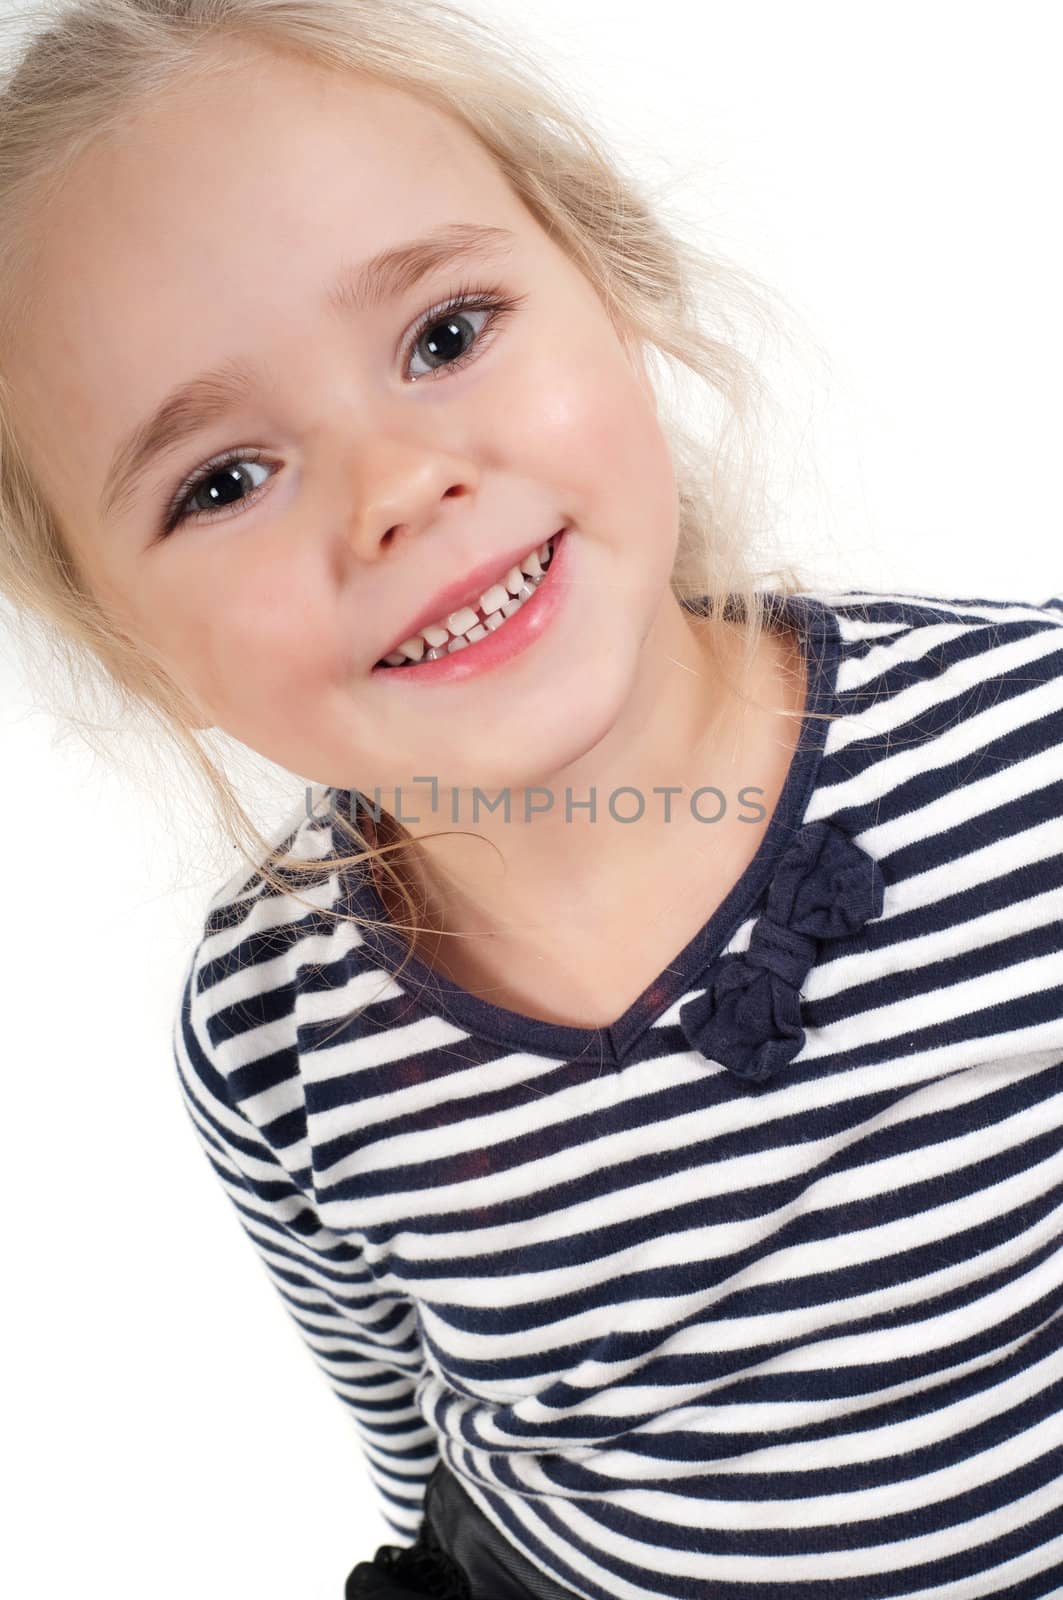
468	298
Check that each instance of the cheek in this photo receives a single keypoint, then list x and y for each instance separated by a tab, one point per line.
248	627
592	427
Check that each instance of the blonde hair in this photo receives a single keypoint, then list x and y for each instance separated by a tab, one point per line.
85	72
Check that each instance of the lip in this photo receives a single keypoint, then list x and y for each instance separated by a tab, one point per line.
501	645
463	591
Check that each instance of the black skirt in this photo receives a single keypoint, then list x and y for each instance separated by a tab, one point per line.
457	1555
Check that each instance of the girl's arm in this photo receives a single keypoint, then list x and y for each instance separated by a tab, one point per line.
366	1343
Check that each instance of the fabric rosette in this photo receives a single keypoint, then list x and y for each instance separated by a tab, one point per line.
824	887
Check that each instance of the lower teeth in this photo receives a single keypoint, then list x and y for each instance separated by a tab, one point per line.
489	625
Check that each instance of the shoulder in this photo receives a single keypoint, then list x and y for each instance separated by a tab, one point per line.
867	612
249	921
951	739
952	661
250	936
946	765
863	614
275	969
948	739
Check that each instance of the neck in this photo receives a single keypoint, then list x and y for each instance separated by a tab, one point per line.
689	725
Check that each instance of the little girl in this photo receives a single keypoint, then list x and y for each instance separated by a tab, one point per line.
639	1064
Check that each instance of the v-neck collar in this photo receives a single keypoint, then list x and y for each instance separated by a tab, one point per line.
431	992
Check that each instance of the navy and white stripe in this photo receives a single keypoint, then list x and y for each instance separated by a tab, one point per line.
679	1334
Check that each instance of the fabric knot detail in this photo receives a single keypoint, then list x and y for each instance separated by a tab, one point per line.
749	1018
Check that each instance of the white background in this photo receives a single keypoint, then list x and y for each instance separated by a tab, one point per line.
893	171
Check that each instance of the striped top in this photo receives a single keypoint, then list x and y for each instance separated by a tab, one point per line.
759	1291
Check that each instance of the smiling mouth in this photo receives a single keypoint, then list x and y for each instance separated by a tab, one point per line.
469	624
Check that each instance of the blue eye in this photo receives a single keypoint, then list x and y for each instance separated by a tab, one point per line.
446	323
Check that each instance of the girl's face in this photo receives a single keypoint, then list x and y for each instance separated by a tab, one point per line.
208	236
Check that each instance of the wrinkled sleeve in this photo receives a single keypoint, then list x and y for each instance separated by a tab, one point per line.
367	1344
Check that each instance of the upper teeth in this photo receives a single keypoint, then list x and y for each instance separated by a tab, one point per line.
465	623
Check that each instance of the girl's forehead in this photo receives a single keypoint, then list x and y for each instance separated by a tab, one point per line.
284	137
281	119
311	104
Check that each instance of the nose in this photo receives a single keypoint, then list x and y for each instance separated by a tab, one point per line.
405	499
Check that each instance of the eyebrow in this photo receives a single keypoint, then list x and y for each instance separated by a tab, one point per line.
355	289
